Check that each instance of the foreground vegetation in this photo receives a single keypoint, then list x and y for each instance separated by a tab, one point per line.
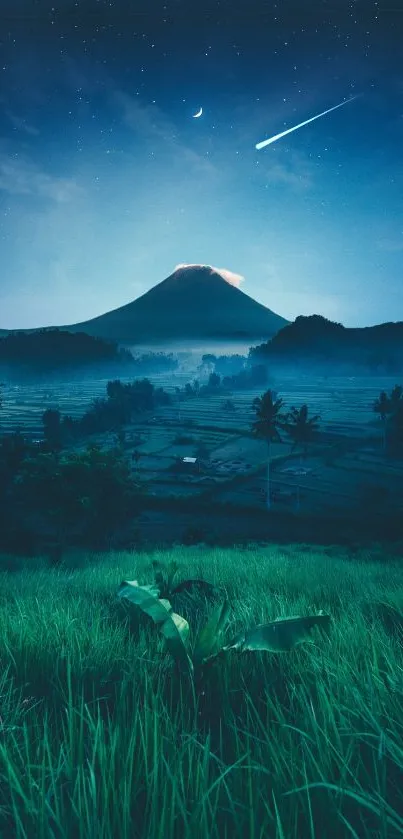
100	735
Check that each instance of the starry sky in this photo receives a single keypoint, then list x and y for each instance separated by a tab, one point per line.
107	181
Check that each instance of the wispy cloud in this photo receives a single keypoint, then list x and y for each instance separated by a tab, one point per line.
391	244
151	124
23	177
20	124
296	177
227	275
292	169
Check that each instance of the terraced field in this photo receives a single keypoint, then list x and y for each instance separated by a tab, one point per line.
345	405
235	470
23	405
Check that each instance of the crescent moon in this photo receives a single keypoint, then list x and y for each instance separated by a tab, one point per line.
199	113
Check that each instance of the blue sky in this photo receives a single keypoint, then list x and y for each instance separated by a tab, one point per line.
107	182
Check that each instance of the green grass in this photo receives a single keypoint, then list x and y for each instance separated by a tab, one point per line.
99	737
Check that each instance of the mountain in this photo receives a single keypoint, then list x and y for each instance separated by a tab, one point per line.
315	341
195	303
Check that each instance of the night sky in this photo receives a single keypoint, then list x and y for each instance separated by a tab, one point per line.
107	181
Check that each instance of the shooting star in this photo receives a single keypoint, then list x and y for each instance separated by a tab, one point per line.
301	124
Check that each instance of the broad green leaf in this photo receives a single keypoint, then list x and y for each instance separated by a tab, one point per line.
209	639
181	626
279	635
174	628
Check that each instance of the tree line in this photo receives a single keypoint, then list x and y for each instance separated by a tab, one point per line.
57	350
122	403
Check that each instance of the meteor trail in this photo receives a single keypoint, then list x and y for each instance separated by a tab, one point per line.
301	124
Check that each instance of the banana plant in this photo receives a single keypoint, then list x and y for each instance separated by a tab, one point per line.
277	636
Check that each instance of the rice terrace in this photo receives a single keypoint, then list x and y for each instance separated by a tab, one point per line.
338	473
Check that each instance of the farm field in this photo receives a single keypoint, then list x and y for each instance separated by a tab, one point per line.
345	405
100	735
337	474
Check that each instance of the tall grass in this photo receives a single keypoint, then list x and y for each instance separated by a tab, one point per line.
99	738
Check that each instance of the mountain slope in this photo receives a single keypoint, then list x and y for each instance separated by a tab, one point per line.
193	303
314	340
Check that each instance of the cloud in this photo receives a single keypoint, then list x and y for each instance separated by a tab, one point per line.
21	124
278	173
151	124
229	276
280	166
22	177
391	245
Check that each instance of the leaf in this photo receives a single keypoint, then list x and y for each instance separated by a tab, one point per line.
209	639
173	627
187	585
164	577
279	635
158	575
172	571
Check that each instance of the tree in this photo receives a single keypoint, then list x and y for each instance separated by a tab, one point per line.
214	381
396	398
301	429
382	407
387	407
87	498
266	425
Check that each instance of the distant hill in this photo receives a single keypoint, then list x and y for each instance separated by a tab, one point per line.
316	341
194	304
47	351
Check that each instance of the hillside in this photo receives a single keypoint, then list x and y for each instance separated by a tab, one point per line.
54	350
194	303
314	340
99	732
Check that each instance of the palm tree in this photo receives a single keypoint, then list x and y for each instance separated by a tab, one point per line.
302	429
382	407
265	426
396	398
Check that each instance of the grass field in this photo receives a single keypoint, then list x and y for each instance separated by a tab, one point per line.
99	737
